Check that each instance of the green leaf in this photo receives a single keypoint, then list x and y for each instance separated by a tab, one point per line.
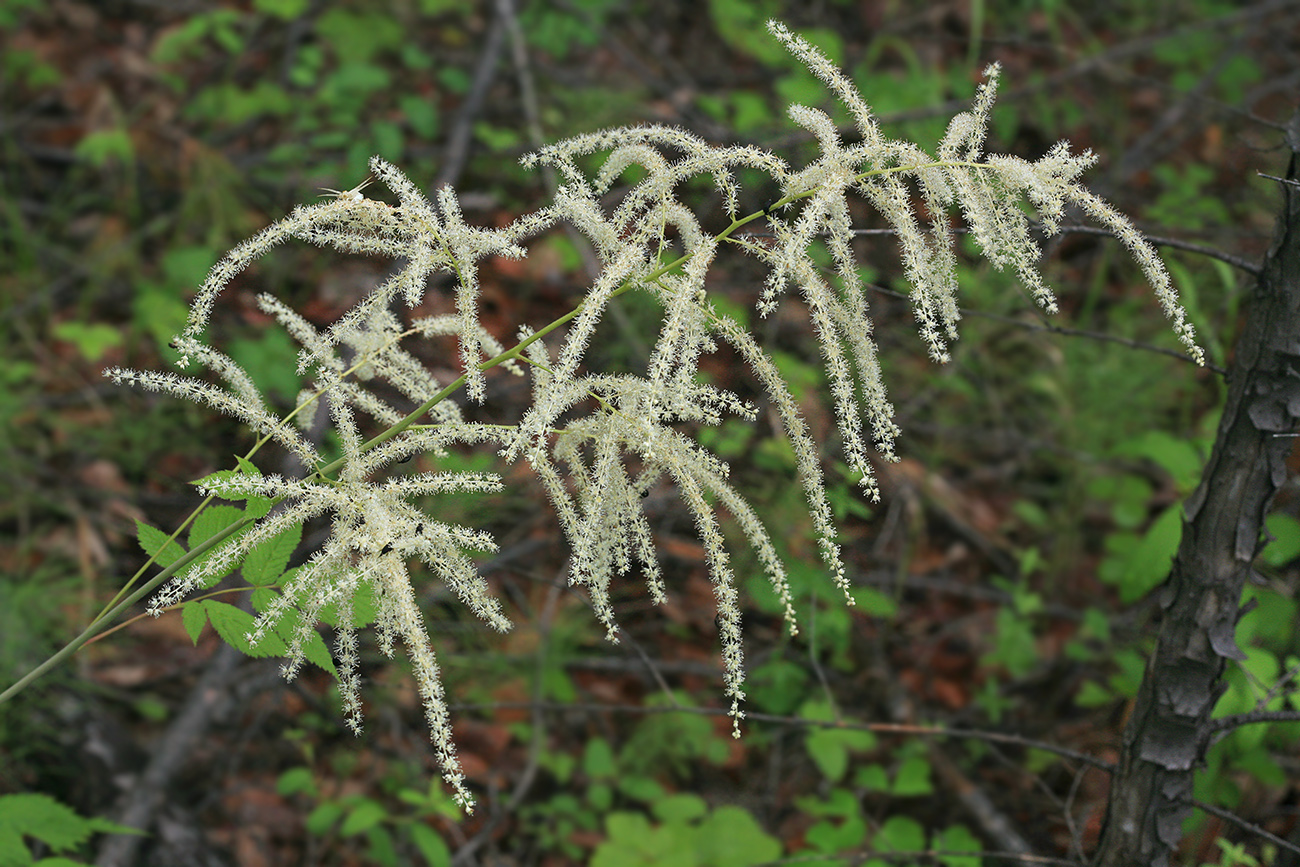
1092	694
600	796
247	467
828	753
357	37
829	748
13	852
91	340
421	113
285	10
296	780
639	788
627	834
431	846
956	838
210	522
730	837
740	24
271	361
313	648
34	815
777	686
598	759
1178	457
1272	621
1262	764
194	616
872	778
265	561
157	545
381	850
900	834
364	816
846	835
233	625
871	601
106	146
321	819
913	778
839	803
1284	535
1148	564
679	808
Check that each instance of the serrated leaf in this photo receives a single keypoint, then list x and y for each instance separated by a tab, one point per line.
233	625
100	825
262	597
157	544
13	852
265	561
313	648
212	521
258	507
40	816
315	652
209	523
194	617
247	467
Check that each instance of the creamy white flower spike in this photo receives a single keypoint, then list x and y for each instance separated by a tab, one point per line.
600	442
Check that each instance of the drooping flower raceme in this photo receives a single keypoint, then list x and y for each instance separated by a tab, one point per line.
599	441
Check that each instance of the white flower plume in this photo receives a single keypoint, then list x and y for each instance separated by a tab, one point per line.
599	441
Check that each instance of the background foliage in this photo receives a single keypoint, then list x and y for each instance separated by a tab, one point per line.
1003	583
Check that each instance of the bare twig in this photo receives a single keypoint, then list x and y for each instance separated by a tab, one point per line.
804	722
1258	716
1233	819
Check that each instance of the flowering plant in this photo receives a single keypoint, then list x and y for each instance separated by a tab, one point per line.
599	442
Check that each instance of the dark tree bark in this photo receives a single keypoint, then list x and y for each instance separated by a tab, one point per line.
1168	732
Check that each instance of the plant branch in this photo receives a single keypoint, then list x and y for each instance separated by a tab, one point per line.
98	625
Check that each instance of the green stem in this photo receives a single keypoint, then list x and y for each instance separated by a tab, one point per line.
119	604
101	623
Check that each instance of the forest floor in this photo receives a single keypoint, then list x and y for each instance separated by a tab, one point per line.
1004	584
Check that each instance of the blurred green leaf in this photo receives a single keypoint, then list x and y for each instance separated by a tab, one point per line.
91	339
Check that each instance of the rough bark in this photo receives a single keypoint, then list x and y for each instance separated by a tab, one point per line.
1168	732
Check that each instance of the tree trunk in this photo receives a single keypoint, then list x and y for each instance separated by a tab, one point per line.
1168	732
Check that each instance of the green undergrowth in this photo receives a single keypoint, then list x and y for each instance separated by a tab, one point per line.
1112	450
